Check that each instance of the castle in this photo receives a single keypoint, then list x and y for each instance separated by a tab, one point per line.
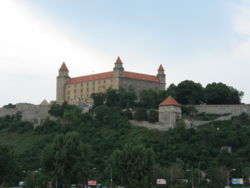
80	88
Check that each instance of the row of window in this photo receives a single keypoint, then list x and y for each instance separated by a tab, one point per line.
88	83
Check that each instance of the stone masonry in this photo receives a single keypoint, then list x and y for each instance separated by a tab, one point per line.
80	88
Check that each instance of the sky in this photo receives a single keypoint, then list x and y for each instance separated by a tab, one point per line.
203	41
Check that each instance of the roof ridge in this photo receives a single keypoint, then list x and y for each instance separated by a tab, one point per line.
141	73
169	101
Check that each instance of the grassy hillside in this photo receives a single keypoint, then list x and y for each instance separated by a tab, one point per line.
105	130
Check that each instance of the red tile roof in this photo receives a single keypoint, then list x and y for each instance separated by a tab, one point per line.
133	75
118	60
140	76
169	101
63	67
160	68
90	77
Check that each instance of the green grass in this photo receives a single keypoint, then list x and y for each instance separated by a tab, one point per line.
22	142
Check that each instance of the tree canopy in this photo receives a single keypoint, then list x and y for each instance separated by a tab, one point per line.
133	166
8	165
66	159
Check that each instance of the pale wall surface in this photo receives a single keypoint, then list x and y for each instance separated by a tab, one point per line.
223	109
30	112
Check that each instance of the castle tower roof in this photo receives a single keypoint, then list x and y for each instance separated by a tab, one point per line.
161	68
44	103
118	60
169	101
63	67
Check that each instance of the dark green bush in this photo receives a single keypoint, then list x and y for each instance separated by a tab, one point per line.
152	116
141	114
128	114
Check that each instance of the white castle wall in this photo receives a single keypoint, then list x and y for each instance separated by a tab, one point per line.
30	112
223	109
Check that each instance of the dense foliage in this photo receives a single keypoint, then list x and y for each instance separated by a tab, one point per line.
65	160
78	146
186	92
133	166
8	165
190	92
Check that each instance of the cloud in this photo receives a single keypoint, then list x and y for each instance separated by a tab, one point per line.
34	45
241	26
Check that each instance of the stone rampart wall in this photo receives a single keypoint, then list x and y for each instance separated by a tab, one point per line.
140	85
30	112
223	109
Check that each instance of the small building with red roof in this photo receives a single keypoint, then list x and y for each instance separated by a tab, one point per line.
74	89
169	111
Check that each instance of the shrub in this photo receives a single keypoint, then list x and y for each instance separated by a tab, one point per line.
188	110
153	116
141	114
8	106
128	114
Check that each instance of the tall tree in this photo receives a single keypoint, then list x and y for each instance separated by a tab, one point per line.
219	93
66	159
133	166
8	165
148	98
189	92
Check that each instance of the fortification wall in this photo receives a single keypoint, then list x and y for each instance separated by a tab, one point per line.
223	109
140	85
30	112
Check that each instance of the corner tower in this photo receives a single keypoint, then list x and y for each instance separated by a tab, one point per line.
118	72
62	78
162	77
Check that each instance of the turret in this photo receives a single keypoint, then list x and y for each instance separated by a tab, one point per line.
161	75
63	76
118	70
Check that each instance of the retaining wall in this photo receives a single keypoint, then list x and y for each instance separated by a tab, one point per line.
223	109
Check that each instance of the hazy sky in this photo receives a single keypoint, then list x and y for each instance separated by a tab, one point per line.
204	41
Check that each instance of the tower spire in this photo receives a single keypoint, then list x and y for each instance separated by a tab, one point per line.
118	60
63	67
160	68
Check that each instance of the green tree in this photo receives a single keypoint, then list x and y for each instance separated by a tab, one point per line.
66	159
98	99
141	114
148	99
133	166
127	98
8	165
171	91
189	92
219	93
112	97
110	117
128	114
152	115
35	179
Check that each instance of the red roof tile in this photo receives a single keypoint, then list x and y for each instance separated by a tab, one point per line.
140	76
118	60
160	68
169	101
109	74
90	77
63	67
